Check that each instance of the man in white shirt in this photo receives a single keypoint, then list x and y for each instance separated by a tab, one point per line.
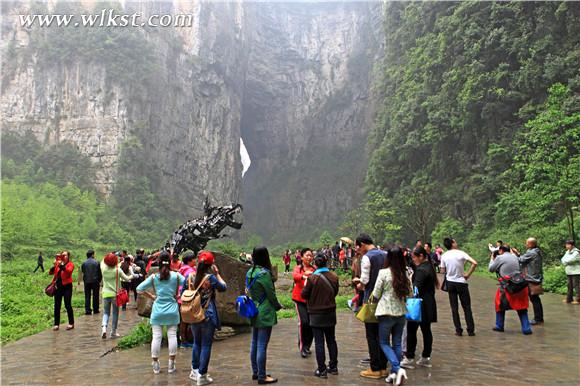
452	266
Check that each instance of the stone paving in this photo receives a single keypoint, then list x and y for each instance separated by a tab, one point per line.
551	356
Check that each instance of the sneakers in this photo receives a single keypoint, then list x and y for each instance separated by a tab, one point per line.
391	378
575	302
369	373
565	301
55	328
171	366
333	371
156	367
114	335
471	333
529	332
497	329
401	377
194	375
407	363
537	323
204	379
321	374
104	333
425	362
365	361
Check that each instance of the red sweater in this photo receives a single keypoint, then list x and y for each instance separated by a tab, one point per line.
299	282
66	276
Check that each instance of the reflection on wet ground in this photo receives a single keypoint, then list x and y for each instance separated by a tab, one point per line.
548	357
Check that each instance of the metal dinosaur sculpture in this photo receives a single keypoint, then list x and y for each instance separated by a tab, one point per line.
196	233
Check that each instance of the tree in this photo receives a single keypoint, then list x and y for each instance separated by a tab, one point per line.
547	162
380	217
325	239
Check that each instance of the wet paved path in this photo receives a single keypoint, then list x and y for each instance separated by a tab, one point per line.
550	356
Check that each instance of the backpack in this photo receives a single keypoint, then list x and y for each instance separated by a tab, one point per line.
245	306
191	310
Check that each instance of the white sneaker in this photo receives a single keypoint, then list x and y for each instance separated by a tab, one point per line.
104	333
171	366
391	378
156	367
401	377
407	363
204	379
425	362
194	375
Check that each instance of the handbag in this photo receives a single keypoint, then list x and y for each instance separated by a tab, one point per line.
536	288
145	303
444	283
50	289
245	306
122	296
414	307
367	313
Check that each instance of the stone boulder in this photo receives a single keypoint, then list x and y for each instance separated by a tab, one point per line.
233	272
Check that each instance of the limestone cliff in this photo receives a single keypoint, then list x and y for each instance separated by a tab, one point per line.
292	79
186	116
307	110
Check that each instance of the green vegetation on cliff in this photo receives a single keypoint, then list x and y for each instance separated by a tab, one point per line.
478	133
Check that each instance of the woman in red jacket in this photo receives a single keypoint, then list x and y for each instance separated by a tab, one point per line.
62	271
300	274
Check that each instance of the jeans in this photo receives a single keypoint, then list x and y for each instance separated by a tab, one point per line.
305	336
202	341
91	291
320	333
412	328
107	303
573	284
158	336
378	358
404	339
524	321
538	308
460	290
392	325
64	292
258	350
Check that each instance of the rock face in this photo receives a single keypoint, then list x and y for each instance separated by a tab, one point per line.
292	79
306	113
187	119
234	273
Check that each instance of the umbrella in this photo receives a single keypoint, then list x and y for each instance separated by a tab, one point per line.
346	240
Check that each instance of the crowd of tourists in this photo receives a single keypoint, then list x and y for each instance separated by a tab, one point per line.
384	279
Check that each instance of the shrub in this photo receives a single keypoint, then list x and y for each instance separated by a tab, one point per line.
555	280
